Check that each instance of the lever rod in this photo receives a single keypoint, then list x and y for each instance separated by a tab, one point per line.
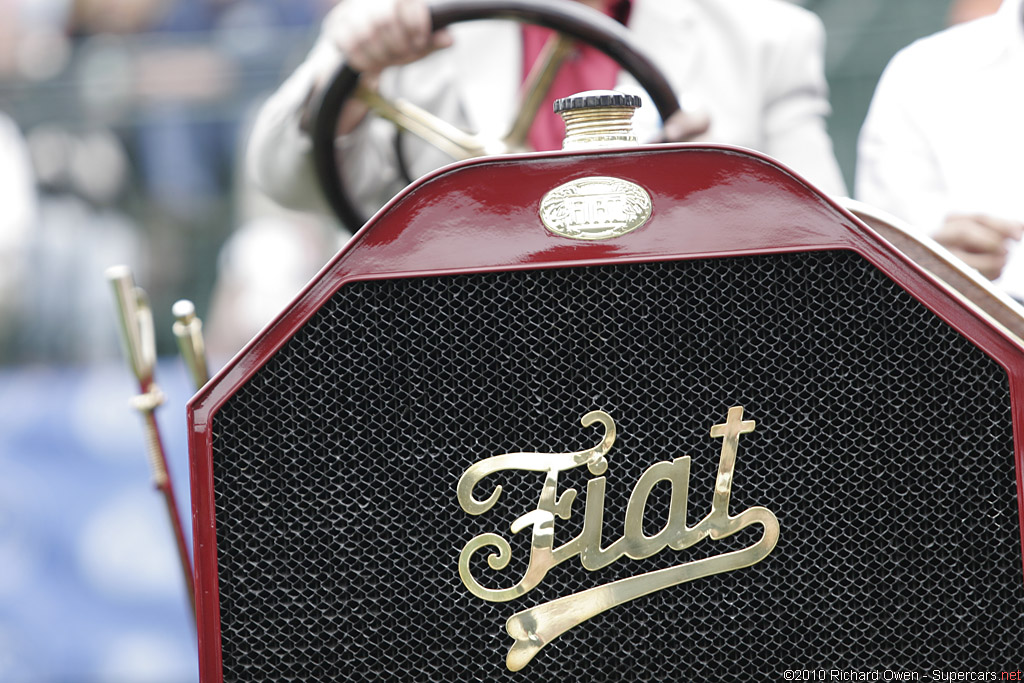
138	341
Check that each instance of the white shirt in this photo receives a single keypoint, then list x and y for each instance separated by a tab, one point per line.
945	132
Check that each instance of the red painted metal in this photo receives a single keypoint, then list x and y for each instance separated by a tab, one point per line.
483	215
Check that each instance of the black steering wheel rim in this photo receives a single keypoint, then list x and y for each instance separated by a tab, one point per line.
565	16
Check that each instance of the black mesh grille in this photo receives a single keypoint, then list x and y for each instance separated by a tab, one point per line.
883	446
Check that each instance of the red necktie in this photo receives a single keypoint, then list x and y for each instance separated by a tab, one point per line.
587	68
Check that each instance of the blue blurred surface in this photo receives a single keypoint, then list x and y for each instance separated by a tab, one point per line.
90	587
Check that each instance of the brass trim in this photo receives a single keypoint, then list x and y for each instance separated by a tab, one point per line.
534	628
599	127
536	85
595	208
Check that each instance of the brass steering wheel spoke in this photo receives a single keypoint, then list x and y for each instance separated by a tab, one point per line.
434	130
535	87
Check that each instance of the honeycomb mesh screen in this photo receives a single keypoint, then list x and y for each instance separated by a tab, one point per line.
883	446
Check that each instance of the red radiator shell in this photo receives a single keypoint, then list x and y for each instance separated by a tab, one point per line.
483	215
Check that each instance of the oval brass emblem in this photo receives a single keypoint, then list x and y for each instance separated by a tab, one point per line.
596	208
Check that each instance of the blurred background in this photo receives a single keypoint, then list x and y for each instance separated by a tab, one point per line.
121	128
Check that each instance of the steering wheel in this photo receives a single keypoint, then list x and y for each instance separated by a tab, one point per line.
571	20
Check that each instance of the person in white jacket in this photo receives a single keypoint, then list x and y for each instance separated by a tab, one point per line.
754	66
942	144
749	72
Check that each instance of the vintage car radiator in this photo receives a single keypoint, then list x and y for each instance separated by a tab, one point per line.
821	437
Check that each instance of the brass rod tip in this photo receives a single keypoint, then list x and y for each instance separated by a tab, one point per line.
135	322
188	329
118	272
184	311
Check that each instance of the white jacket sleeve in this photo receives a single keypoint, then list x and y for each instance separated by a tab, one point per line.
279	152
796	105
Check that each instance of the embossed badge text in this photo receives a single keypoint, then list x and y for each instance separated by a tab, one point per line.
595	208
534	628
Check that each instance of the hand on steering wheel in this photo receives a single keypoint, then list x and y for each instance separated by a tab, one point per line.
379	41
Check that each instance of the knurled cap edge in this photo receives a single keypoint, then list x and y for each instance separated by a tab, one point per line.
585	101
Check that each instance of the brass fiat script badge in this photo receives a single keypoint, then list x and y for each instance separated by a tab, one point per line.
596	208
534	628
